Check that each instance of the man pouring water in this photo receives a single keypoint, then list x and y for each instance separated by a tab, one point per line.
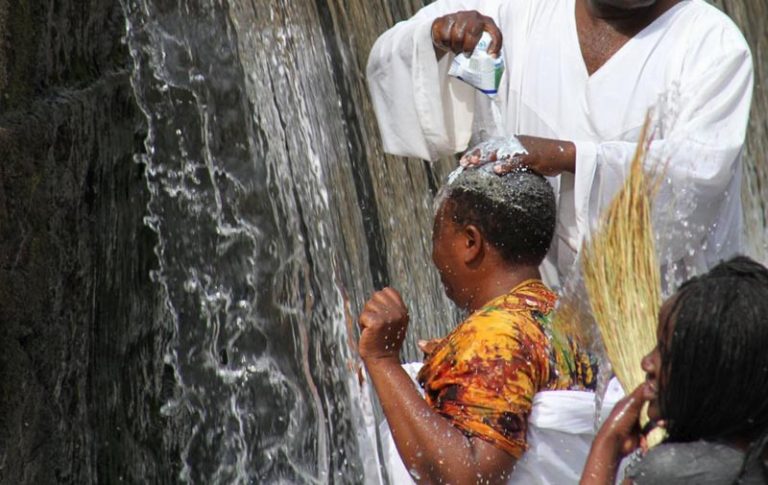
580	78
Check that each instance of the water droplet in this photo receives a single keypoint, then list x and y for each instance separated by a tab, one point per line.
190	285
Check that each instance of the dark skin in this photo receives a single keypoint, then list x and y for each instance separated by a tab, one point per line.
603	27
473	273
618	437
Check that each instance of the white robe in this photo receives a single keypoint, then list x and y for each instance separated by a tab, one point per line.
561	428
692	60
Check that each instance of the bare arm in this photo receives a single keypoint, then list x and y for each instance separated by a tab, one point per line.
602	464
618	437
544	155
430	447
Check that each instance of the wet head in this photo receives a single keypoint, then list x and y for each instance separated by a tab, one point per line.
512	216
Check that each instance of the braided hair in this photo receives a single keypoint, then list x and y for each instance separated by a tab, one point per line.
715	365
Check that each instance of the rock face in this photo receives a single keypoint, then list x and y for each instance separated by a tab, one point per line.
80	371
85	332
276	216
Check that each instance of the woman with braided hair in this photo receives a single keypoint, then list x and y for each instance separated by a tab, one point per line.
707	384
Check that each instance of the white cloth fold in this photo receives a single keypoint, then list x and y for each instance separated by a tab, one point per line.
561	427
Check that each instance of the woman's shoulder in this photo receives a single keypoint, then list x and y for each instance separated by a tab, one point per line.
700	462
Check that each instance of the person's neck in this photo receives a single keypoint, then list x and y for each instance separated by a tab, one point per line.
499	282
627	20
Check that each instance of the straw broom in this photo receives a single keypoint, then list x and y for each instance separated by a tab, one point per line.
621	273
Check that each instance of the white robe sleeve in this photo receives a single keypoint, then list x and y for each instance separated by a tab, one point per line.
701	151
421	111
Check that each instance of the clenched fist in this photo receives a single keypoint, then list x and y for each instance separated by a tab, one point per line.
460	32
383	323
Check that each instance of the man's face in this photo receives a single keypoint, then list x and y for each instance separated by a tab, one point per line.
624	4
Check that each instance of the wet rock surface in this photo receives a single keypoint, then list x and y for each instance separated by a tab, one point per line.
80	373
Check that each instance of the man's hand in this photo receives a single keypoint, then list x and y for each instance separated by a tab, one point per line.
460	32
545	156
383	323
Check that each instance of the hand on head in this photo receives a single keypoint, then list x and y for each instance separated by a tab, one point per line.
383	323
461	31
541	155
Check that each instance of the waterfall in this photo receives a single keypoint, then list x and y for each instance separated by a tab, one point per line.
276	214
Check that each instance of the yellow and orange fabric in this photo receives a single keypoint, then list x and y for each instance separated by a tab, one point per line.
484	374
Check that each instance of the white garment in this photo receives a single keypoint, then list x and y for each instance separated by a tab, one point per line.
561	428
692	59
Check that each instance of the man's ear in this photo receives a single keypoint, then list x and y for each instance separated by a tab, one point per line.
474	244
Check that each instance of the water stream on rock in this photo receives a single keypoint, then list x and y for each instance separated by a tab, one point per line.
269	240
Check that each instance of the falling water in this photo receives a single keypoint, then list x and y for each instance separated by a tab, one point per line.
262	181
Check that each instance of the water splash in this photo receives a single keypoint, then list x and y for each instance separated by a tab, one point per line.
239	204
274	225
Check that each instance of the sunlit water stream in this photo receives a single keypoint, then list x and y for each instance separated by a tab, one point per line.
269	236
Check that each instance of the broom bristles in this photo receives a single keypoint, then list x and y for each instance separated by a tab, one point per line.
621	273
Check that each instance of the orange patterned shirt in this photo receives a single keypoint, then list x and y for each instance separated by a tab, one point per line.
484	374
